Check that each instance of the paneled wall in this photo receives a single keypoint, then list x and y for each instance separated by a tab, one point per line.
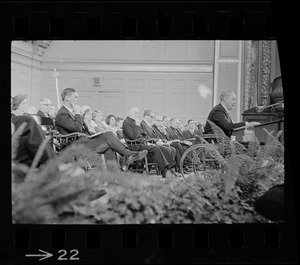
174	78
25	72
165	77
228	72
175	94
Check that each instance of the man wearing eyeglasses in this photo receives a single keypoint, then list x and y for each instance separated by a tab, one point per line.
162	134
132	130
45	108
146	124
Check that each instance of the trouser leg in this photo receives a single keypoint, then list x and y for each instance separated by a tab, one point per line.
105	141
179	147
155	153
168	155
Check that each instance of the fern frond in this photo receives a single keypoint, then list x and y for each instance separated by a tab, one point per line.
238	147
222	139
214	152
39	154
217	131
253	147
271	150
232	172
15	140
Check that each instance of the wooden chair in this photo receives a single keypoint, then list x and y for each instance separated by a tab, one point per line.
64	140
143	165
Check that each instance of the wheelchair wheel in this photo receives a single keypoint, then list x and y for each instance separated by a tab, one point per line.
198	158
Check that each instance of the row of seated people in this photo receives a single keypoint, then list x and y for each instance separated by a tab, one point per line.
71	118
166	137
67	120
166	150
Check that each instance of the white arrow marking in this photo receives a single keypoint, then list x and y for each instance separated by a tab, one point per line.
45	256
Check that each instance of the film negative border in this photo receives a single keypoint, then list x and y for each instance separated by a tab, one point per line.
85	244
144	19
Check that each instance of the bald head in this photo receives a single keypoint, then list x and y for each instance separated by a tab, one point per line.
133	113
228	99
174	123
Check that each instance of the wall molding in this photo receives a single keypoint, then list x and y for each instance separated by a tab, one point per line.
129	67
26	60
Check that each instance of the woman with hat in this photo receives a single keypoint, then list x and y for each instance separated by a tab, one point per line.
19	105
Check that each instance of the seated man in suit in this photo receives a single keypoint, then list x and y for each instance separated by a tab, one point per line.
181	126
69	120
221	117
173	132
162	134
166	121
132	131
146	124
192	131
45	107
44	110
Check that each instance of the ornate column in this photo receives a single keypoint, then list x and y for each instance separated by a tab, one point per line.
250	74
264	88
257	73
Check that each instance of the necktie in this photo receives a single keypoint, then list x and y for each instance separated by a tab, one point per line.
229	117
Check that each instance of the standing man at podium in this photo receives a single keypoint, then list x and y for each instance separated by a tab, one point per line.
221	117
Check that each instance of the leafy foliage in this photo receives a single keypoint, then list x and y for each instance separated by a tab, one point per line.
15	140
256	171
61	191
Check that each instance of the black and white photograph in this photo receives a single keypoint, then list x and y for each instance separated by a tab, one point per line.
147	132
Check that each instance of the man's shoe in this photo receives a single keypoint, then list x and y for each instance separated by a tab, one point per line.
164	173
135	157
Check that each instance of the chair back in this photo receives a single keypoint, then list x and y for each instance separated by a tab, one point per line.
66	139
217	139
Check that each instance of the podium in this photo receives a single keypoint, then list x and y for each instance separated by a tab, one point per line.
267	115
260	134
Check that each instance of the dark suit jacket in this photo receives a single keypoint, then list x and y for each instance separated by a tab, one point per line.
220	117
132	131
188	135
148	130
41	113
66	122
159	133
175	134
29	141
46	120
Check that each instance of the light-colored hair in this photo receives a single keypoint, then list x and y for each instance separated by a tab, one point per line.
43	100
84	109
131	110
96	112
225	94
